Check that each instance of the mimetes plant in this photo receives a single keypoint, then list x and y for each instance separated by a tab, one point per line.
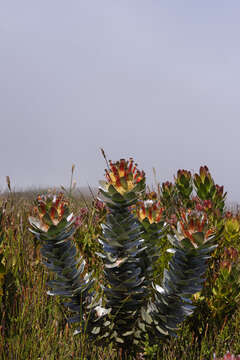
130	306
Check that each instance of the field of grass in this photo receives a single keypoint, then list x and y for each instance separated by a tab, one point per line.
34	324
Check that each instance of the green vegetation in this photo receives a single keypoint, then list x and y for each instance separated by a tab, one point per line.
187	215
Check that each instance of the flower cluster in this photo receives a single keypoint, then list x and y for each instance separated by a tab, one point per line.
150	210
50	210
230	257
202	205
191	224
123	175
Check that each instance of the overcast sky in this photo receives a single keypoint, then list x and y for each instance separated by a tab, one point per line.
156	80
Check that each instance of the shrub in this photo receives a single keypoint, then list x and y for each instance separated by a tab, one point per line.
130	305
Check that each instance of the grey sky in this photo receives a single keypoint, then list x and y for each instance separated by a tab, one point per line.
156	80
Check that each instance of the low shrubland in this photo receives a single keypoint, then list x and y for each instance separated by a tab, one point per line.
122	237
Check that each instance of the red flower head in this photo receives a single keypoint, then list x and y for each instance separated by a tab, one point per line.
50	210
192	223
150	210
123	175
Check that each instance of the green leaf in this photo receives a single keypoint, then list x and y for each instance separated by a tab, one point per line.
2	269
199	238
186	243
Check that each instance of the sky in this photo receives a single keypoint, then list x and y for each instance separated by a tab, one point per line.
155	80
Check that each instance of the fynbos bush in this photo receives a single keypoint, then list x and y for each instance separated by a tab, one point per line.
131	305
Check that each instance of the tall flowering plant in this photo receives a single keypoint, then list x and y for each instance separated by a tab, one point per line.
130	305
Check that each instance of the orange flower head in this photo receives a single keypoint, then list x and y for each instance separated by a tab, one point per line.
50	210
152	211
123	175
193	222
